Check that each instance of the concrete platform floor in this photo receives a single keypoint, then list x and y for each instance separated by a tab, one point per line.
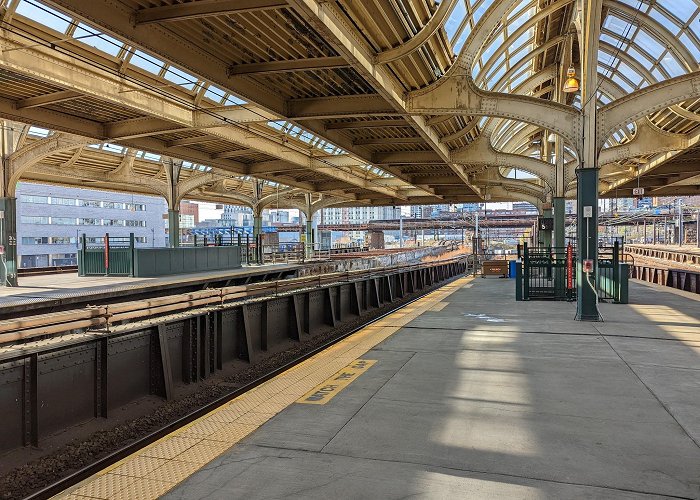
62	288
485	397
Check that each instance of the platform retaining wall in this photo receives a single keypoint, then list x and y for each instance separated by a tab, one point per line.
49	385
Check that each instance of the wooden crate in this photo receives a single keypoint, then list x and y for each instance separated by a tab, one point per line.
495	268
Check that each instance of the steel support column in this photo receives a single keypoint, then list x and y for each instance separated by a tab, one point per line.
8	239
174	228
587	205
546	234
559	213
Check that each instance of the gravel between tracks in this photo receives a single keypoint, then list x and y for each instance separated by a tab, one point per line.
79	453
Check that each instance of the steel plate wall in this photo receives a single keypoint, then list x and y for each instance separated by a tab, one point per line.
48	386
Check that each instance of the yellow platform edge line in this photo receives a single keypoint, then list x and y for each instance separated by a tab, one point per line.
183	452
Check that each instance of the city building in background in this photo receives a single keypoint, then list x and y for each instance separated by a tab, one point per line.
189	214
51	219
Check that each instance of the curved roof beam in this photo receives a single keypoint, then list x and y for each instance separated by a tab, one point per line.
513	37
534	81
510	192
685	113
629	60
417	40
669	39
646	101
480	34
480	152
459	95
28	156
508	75
648	140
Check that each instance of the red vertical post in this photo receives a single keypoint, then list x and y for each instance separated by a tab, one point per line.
106	253
569	267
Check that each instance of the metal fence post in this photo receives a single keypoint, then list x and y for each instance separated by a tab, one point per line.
106	254
132	254
526	273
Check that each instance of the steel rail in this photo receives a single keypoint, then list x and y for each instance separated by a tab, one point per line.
109	315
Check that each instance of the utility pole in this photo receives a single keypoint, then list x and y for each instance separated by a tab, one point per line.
680	222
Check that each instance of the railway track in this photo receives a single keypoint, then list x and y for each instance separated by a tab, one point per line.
116	455
184	353
104	317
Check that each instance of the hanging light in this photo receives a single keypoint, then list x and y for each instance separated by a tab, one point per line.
571	84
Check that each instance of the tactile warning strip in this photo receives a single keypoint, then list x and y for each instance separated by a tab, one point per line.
154	470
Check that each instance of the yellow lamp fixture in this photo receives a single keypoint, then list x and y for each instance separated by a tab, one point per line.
572	84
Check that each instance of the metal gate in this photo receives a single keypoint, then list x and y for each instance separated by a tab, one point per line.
548	273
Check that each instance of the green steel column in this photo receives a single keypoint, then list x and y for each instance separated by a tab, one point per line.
309	237
257	226
587	234
257	237
174	228
8	238
546	234
559	212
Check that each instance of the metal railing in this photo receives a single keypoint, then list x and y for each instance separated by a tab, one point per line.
103	317
106	256
549	273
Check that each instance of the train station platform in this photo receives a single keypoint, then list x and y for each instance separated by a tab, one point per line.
464	393
53	290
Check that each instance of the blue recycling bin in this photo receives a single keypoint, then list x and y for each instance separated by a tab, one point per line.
511	268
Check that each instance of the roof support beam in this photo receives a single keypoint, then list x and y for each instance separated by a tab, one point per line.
458	95
185	52
644	102
388	141
354	124
189	141
406	157
202	8
47	99
417	40
339	107
480	152
287	66
332	26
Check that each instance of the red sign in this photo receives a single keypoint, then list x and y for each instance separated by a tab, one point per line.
569	267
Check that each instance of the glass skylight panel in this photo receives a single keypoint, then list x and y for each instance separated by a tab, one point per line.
147	62
492	47
618	26
672	66
44	15
114	148
459	42
639	57
481	10
455	19
622	82
682	10
93	37
180	78
630	74
215	94
39	132
151	156
649	44
691	46
232	100
665	21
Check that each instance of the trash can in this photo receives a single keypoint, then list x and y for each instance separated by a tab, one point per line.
511	268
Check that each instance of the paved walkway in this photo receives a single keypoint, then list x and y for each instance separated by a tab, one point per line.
60	288
464	394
